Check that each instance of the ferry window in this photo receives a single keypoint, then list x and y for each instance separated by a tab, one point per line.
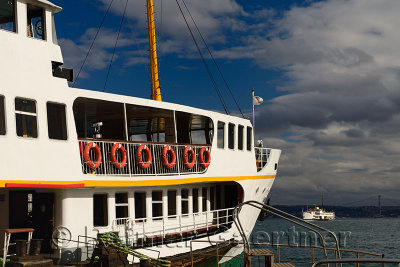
25	112
150	124
88	112
204	198
7	15
194	129
56	121
249	138
121	205
157	204
221	134
231	135
212	198
140	205
100	210
171	202
185	201
36	26
240	137
2	116
195	202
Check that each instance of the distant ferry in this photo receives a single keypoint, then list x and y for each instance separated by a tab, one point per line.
318	214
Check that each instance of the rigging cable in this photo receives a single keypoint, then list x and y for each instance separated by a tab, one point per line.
137	43
204	62
94	39
213	59
115	46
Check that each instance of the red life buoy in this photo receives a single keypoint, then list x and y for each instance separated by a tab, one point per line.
189	150
139	157
167	164
203	162
115	162
92	164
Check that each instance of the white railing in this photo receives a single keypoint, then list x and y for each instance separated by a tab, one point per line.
132	167
262	157
162	229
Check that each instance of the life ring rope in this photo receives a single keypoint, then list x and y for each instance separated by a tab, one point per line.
168	163
205	161
139	157
186	152
86	155
113	154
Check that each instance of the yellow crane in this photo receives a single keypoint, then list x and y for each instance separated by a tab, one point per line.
155	81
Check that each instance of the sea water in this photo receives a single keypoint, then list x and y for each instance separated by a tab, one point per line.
378	235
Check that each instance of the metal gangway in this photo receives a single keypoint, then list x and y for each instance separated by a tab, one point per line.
318	230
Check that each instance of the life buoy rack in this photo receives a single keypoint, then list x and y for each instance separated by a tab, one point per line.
139	157
189	150
114	160
168	150
86	155
205	162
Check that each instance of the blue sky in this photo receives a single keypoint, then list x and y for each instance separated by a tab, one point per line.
329	72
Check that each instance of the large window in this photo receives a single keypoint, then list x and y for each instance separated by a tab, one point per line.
140	205
121	205
2	116
56	121
221	134
240	137
100	210
195	197
36	27
157	204
231	136
185	201
171	202
249	138
193	129
7	15
25	112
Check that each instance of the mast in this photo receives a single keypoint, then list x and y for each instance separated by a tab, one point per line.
155	82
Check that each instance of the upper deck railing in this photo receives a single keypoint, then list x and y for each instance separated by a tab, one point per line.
142	158
262	157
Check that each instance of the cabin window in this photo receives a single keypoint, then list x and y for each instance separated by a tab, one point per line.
249	138
100	210
25	113
231	136
194	129
240	137
204	198
56	120
150	124
91	112
185	201
157	204
7	15
2	116
171	202
221	134
140	205
212	198
36	27
195	202
121	205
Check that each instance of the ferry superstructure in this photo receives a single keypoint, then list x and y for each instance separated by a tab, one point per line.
89	162
318	214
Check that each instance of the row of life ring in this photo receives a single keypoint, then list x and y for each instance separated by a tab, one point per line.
168	156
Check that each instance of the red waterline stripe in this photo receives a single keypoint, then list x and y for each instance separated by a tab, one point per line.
55	186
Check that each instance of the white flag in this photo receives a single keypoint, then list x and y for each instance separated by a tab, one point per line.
257	100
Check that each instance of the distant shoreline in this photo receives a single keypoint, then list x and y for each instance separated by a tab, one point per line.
348	212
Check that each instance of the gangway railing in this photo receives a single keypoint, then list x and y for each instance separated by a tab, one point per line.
286	216
357	261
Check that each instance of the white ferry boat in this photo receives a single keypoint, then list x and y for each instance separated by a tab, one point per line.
318	214
157	173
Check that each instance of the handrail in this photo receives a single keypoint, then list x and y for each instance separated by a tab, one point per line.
289	217
355	260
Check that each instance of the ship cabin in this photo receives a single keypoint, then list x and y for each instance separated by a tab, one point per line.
95	162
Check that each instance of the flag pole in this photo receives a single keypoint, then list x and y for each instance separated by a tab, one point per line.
252	101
